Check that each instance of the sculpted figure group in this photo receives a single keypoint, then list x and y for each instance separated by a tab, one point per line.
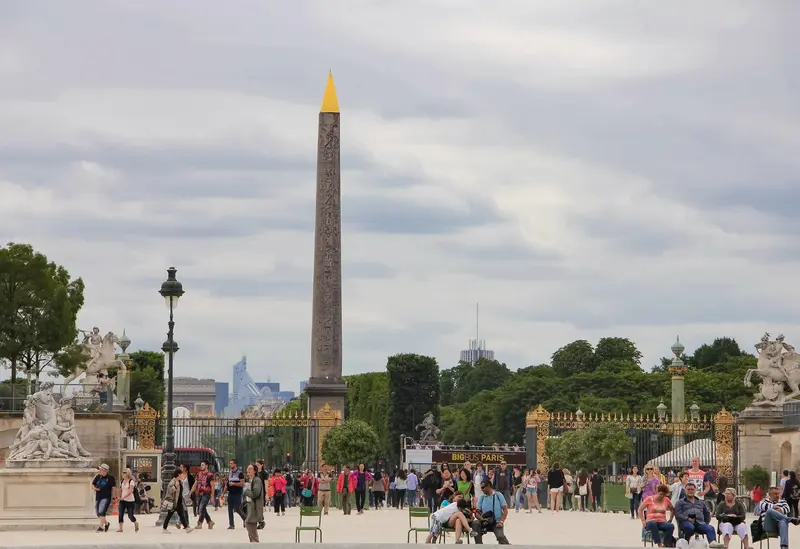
48	429
779	369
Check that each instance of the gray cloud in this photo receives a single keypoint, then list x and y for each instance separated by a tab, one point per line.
398	216
499	168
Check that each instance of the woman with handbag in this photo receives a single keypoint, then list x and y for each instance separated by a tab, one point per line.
173	503
307	491
633	490
254	503
127	499
583	489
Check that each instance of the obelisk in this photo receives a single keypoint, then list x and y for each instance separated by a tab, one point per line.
326	386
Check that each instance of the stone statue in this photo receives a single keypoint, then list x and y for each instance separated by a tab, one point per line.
65	428
428	431
778	367
48	431
101	352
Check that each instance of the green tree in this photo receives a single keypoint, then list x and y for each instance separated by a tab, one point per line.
447	386
39	304
574	358
484	375
617	348
755	475
368	400
350	443
413	392
707	357
596	445
147	378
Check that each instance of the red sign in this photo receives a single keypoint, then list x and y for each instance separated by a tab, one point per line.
487	457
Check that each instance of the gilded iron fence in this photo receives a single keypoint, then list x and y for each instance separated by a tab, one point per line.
668	444
291	440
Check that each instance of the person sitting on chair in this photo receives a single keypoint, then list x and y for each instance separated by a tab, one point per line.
774	511
693	516
731	515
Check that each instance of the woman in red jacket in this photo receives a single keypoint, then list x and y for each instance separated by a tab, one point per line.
308	488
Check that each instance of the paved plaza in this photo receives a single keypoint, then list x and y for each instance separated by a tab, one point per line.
385	527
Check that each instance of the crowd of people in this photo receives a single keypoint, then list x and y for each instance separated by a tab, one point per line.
468	499
691	498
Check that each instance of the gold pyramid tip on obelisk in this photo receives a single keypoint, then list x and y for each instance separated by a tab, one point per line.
330	103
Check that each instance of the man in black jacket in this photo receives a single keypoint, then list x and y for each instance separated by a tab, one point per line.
431	481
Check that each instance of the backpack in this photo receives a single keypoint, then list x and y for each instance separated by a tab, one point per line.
137	499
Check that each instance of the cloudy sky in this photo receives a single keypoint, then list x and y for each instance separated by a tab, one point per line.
582	169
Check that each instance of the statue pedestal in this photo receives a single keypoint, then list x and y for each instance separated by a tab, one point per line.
755	426
47	495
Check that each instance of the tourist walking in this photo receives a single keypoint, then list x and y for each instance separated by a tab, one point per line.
173	503
203	488
412	492
278	481
346	485
431	482
105	487
254	503
378	490
234	493
324	490
187	489
308	488
583	489
502	481
400	488
633	490
362	478
791	492
127	499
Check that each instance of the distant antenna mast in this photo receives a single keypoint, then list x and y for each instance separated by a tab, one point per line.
477	345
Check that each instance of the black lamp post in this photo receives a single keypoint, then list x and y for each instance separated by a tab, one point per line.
171	290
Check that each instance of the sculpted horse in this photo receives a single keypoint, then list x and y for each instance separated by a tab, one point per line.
777	368
103	359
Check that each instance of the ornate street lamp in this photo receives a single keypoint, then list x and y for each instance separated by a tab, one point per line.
171	290
662	411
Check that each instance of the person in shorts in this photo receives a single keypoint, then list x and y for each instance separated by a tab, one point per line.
104	486
453	515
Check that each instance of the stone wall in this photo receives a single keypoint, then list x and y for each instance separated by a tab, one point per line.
755	436
101	434
785	450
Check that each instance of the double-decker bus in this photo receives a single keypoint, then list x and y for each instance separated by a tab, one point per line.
191	457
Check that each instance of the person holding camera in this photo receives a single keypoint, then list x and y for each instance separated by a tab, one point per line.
693	516
491	514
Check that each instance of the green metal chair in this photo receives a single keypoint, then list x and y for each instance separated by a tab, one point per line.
309	512
445	531
418	513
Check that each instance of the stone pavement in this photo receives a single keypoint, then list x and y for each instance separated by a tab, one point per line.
385	527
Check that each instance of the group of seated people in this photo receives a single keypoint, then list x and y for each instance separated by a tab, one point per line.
488	515
693	517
